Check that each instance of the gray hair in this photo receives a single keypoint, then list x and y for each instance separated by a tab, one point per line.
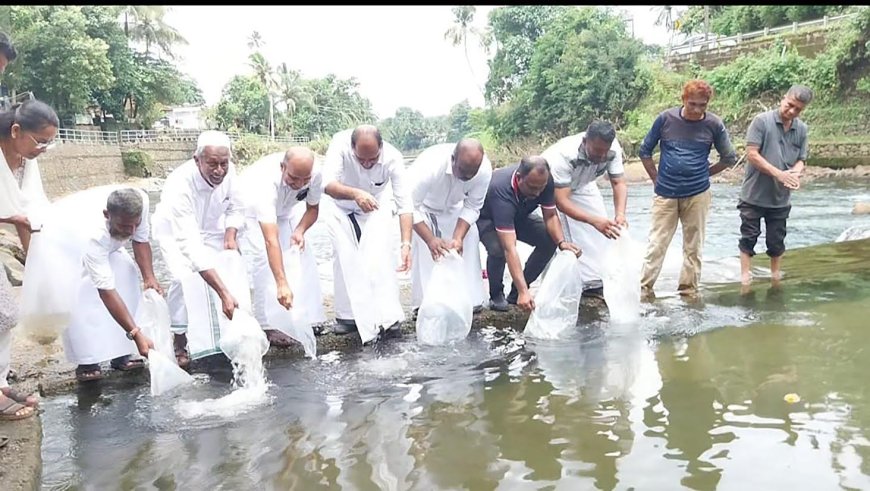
801	93
126	202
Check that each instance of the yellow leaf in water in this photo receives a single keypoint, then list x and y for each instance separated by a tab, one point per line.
792	398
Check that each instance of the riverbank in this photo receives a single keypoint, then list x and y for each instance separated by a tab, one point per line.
636	174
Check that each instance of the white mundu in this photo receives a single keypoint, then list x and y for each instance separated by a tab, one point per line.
440	199
268	199
346	218
571	168
189	225
93	336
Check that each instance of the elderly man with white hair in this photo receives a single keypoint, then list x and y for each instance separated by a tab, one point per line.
448	187
273	188
198	216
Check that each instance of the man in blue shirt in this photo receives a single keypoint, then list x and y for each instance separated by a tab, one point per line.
682	181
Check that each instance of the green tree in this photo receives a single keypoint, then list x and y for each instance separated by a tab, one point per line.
514	30
244	105
462	29
58	61
585	66
151	29
459	121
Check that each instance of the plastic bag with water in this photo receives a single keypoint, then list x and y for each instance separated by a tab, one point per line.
446	311
558	299
295	322
381	307
243	336
622	269
152	317
47	299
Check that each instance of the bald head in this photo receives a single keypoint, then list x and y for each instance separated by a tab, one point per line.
467	157
366	143
297	167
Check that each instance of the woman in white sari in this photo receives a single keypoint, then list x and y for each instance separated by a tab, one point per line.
26	131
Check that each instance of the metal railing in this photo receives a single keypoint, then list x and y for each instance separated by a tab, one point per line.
71	135
694	45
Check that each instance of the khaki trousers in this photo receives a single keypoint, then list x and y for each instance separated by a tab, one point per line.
691	212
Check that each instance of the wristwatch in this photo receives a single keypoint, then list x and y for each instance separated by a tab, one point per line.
132	334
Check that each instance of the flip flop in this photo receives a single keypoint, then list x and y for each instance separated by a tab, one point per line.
125	364
3	441
9	410
88	373
19	397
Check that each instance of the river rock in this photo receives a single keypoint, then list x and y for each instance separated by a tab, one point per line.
861	209
13	269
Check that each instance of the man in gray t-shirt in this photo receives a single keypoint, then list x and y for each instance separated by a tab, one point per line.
776	146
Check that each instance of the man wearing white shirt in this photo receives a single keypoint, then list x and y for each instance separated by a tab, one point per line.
359	166
448	187
199	215
576	162
108	293
272	187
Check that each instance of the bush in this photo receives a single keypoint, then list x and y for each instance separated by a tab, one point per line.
249	148
138	164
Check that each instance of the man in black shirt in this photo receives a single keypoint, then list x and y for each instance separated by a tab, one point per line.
514	193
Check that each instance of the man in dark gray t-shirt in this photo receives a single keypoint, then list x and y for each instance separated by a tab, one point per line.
776	146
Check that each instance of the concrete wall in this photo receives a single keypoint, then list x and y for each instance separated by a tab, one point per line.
167	155
807	43
70	167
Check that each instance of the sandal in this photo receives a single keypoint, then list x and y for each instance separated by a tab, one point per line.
12	411
125	364
19	397
88	373
3	441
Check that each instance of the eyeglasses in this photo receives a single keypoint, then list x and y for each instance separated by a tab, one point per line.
41	145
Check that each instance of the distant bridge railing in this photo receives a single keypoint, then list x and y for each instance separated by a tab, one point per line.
695	45
97	137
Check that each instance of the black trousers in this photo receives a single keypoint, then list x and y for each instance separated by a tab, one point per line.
530	230
750	228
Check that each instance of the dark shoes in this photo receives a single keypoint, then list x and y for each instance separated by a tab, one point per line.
344	326
499	304
594	293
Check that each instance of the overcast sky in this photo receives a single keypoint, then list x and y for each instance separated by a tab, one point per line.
398	54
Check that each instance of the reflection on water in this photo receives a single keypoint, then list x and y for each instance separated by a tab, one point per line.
690	396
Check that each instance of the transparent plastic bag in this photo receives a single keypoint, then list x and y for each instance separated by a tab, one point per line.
152	317
446	311
297	321
243	337
621	276
558	299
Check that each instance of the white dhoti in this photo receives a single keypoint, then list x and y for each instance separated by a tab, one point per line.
442	225
253	247
364	268
590	240
93	336
194	306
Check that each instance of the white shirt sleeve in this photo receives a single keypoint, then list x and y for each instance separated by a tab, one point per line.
182	214
315	189
399	180
265	202
96	263
143	231
477	193
235	214
333	165
616	168
421	177
560	165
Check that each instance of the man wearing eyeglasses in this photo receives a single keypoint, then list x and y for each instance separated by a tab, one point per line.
358	169
576	162
448	187
199	215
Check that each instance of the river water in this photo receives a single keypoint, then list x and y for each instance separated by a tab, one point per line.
765	390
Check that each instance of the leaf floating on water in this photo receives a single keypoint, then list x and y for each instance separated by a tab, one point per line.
792	398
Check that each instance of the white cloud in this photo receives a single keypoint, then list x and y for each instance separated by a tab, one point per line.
398	54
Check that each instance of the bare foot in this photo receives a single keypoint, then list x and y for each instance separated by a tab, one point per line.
278	338
745	279
745	288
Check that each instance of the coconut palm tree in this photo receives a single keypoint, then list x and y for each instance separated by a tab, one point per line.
150	28
462	29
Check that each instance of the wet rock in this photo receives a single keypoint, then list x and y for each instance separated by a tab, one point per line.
861	209
13	269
